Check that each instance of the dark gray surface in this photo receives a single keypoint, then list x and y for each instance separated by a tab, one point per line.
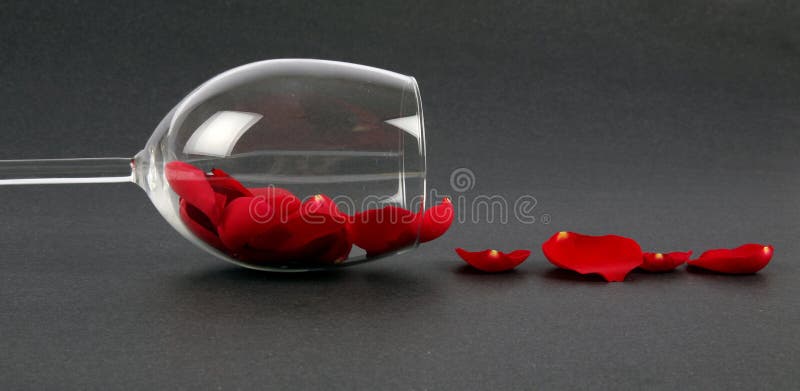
675	123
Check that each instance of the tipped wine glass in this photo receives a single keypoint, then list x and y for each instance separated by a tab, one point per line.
285	165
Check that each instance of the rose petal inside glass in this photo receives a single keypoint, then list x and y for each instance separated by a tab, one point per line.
272	226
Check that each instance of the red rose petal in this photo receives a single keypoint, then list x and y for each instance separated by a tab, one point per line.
281	200
272	193
318	217
745	259
332	248
199	224
224	184
322	207
190	183
270	240
382	230
664	262
493	261
221	200
436	220
339	250
610	256
242	220
262	224
313	250
329	249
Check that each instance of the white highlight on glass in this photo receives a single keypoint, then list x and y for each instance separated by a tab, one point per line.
409	124
219	134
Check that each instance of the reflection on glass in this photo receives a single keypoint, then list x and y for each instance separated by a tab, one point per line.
219	134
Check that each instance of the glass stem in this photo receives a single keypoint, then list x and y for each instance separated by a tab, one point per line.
61	171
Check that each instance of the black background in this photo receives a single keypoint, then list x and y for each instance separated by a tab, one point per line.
674	123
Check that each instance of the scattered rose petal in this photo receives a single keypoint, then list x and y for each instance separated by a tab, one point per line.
664	262
745	259
382	230
610	256
190	183
436	220
493	261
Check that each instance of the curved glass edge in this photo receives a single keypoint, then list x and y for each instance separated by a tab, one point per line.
423	141
288	65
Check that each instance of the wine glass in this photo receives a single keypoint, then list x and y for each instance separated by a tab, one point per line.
285	165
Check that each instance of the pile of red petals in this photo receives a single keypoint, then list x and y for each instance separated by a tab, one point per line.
493	261
613	257
272	225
